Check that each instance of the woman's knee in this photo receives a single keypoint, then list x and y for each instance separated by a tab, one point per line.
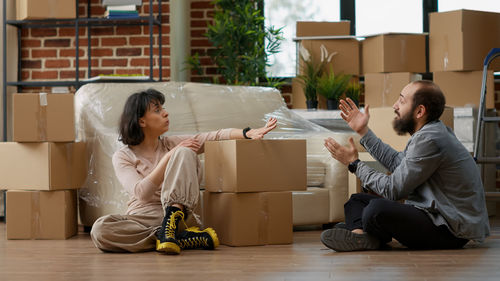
184	151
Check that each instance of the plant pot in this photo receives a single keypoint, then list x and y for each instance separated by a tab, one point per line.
332	104
312	104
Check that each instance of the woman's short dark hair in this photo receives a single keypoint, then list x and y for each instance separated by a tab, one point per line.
136	106
431	97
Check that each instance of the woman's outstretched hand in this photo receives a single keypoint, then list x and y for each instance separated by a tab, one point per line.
260	132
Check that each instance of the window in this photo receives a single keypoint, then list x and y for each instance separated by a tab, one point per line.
480	5
382	16
285	13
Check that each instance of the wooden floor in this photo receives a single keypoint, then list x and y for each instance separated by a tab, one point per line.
305	259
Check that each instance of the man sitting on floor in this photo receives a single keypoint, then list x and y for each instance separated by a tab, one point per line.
445	205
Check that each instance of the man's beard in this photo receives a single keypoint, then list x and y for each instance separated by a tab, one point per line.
405	124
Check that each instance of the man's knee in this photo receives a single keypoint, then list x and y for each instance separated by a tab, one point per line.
377	209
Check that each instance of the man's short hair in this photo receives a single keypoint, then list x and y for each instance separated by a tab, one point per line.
431	97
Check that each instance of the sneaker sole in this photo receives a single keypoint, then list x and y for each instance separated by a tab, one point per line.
168	248
343	240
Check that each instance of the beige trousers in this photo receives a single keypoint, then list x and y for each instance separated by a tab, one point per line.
137	233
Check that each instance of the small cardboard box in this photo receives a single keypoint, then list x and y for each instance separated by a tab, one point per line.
43	117
347	59
323	28
255	165
42	166
463	88
41	214
381	124
460	40
393	52
45	9
383	89
247	219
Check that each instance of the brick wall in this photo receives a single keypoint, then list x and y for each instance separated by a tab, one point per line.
201	13
49	53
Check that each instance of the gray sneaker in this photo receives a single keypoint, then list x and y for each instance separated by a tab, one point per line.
343	240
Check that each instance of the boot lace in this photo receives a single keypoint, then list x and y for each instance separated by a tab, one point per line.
194	242
171	225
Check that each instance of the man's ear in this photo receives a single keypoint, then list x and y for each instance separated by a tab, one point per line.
421	111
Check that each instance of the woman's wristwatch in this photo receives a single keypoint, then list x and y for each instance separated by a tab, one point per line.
353	166
245	132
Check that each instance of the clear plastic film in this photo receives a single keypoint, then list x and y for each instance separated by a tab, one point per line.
192	108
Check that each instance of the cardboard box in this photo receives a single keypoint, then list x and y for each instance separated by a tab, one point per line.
394	52
460	40
347	60
42	166
383	89
247	219
311	206
323	28
463	88
255	165
43	117
45	9
41	214
381	124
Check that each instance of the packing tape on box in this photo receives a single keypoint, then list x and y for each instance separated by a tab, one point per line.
35	218
42	117
263	227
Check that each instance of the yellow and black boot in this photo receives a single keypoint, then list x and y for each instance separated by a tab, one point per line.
165	240
194	238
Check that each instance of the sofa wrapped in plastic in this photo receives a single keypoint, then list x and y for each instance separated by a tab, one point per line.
192	108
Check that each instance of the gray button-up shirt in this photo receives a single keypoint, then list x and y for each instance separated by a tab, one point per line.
436	174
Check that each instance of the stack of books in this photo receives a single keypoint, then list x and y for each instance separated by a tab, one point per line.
121	12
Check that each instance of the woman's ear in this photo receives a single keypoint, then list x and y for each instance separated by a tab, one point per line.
142	123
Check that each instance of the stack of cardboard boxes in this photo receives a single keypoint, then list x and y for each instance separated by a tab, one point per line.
248	198
458	44
43	168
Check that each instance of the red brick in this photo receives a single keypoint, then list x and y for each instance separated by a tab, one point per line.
44	53
164	30
82	10
129	71
70	31
165	9
165	73
71	53
25	53
102	52
30	43
25	32
206	61
200	43
61	63
43	32
165	40
44	74
198	33
140	62
113	41
199	23
165	51
114	62
135	41
25	75
97	72
31	64
102	31
210	14
197	14
201	52
85	63
84	42
202	5
97	10
128	30
128	51
211	70
57	43
70	74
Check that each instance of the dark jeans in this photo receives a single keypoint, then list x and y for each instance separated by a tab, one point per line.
386	219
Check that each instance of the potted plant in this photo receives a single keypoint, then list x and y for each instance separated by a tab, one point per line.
311	70
353	92
332	86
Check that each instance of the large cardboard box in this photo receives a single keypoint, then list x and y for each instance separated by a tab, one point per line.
383	89
45	9
42	166
255	165
247	219
394	52
347	59
381	124
463	88
460	40
41	214
323	28
43	117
